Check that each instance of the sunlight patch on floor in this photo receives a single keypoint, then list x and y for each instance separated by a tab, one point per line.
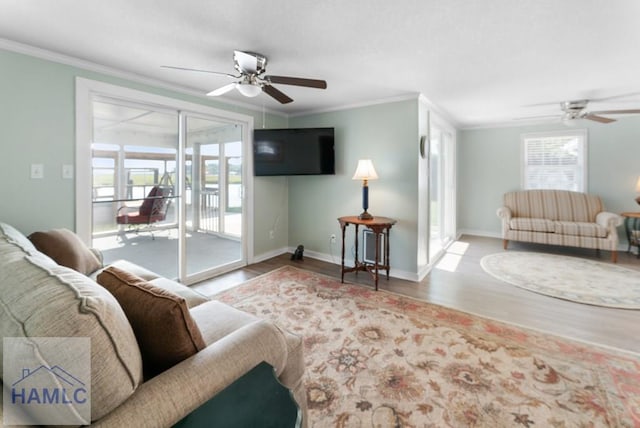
451	259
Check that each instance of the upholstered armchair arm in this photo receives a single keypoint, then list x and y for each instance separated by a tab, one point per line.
609	220
505	215
173	394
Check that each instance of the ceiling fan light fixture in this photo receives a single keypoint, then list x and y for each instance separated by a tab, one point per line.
249	89
252	80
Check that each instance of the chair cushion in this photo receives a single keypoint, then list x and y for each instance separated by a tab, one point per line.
161	321
192	297
147	205
66	249
153	208
532	224
139	218
580	229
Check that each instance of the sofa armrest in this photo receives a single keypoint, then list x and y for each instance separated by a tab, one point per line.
609	220
505	215
173	394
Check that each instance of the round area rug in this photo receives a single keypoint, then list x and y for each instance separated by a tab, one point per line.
569	278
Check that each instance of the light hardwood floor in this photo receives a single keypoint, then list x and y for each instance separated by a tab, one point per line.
459	282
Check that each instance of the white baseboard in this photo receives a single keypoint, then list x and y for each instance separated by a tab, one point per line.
476	232
266	256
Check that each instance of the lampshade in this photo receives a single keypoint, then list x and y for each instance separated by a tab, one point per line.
249	90
365	170
638	185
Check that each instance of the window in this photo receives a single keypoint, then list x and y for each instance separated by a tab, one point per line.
555	160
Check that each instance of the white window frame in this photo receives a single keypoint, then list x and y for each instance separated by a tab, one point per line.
582	136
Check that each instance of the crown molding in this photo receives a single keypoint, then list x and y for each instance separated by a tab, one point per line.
439	112
52	56
512	124
406	97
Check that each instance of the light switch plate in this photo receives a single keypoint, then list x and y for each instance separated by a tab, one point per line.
67	171
37	170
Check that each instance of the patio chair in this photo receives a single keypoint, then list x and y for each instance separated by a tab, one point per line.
152	210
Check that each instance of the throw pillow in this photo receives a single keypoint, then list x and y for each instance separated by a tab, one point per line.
161	322
66	249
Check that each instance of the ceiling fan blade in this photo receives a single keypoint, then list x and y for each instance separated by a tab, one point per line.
631	94
275	93
248	63
297	81
222	90
631	111
200	71
597	118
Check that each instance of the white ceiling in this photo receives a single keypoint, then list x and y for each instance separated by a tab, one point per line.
480	62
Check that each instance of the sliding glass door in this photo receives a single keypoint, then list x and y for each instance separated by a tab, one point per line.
167	188
441	189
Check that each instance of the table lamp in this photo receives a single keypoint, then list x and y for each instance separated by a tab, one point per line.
365	172
638	190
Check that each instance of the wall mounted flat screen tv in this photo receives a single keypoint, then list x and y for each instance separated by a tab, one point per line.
302	151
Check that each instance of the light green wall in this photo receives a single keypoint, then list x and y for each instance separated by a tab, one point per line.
489	166
37	125
387	134
271	201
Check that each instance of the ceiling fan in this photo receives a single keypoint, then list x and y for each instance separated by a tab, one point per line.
252	81
577	109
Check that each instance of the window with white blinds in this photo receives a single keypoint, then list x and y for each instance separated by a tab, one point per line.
555	160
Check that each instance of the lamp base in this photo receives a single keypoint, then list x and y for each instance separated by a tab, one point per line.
638	200
365	216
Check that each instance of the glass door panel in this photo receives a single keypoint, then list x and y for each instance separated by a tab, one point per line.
435	193
232	225
441	191
208	244
134	155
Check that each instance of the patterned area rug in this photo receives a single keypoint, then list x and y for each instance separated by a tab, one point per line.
376	359
569	278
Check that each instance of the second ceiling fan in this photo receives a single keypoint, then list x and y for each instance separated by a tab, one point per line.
577	109
252	81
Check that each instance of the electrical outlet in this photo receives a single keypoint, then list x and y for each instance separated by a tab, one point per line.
271	234
333	238
37	170
67	171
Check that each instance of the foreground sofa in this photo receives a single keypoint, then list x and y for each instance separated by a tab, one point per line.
559	217
40	298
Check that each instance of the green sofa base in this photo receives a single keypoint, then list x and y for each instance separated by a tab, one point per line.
256	399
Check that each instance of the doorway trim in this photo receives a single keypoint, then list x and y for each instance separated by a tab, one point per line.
86	89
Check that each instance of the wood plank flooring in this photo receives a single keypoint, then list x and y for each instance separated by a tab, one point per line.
459	282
